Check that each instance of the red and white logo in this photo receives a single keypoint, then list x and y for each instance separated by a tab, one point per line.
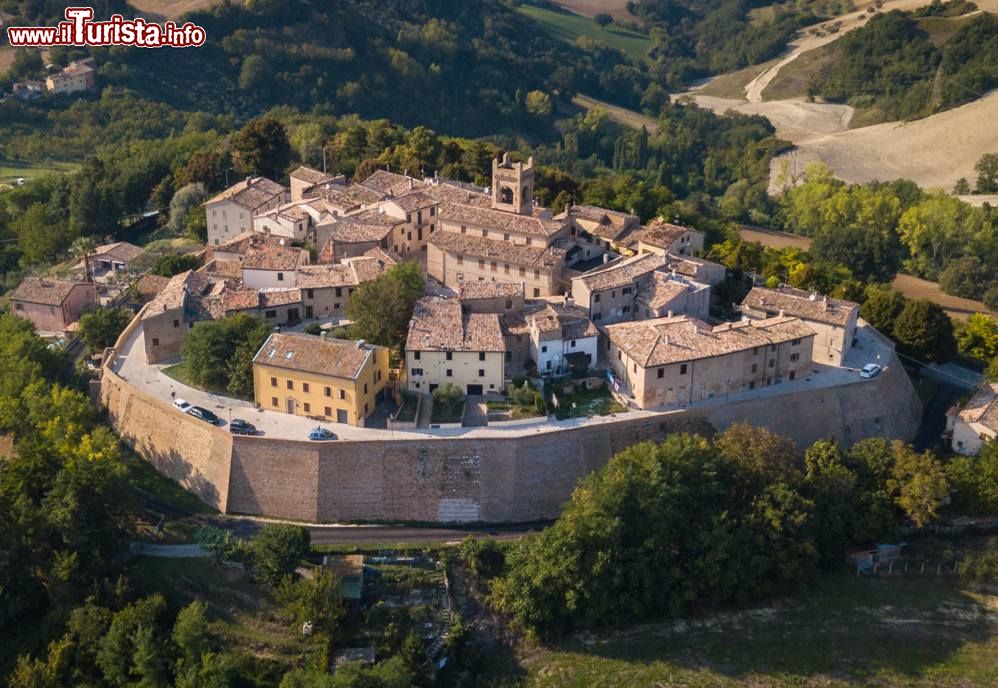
80	29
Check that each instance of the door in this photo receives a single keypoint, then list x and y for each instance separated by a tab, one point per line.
291	405
292	316
308	313
474	390
341	416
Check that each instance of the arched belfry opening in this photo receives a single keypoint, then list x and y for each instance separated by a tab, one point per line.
513	185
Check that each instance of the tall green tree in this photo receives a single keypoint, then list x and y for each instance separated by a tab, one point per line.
924	332
100	328
262	148
381	309
278	550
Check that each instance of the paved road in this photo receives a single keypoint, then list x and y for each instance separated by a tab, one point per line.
143	549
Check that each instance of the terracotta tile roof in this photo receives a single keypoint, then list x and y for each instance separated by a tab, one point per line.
305	353
685	265
270	256
253	299
43	290
391	184
441	325
801	304
385	259
662	341
489	290
223	269
983	407
310	175
182	292
119	250
526	256
367	225
658	233
411	202
73	69
342	196
621	272
610	223
149	285
319	276
500	220
564	320
445	192
250	193
658	289
365	268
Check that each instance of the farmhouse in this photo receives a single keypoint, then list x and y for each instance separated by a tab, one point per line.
679	360
73	78
976	423
336	380
52	305
231	212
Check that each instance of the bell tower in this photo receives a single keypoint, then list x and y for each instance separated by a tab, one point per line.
513	185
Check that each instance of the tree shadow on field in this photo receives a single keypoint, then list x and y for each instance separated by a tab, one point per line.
846	628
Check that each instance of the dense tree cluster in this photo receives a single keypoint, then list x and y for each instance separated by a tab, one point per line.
893	64
692	521
219	353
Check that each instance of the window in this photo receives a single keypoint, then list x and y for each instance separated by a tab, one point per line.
793	374
450	355
433	210
408	217
270	314
523	272
772	347
682	369
310	293
755	367
794	342
460	260
485	233
634	367
755	350
328	391
509	304
304	387
481	263
494	266
273	382
308	407
155	341
772	363
450	373
596	298
291	384
537	292
613	294
626	309
625	290
280	277
417	372
505	268
343	394
661	372
464	230
273	401
328	411
544	349
339	291
415	355
597	316
365	388
505	236
481	371
795	357
176	323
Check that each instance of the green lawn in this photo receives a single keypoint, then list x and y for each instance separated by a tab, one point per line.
597	402
180	373
846	631
12	169
567	27
447	413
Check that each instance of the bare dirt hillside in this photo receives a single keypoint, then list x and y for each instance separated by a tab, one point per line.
170	9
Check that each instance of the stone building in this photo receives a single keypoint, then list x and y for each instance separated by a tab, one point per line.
447	345
666	294
664	238
976	423
231	212
272	265
175	310
418	211
73	78
52	305
513	185
608	292
599	226
562	337
304	178
680	360
833	320
335	380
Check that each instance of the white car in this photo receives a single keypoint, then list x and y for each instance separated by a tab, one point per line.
182	404
870	370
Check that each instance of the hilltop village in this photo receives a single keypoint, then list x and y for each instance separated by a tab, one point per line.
608	308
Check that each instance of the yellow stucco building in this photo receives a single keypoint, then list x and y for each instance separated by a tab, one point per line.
335	380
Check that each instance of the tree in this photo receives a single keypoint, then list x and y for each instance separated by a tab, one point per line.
967	277
219	353
975	481
172	264
261	148
870	254
317	599
962	187
882	308
990	297
919	484
40	237
924	332
100	328
278	549
381	309
978	337
191	635
255	73
603	19
184	202
991	374
27	64
987	173
119	649
538	104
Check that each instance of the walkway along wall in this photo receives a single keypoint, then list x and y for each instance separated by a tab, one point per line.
492	479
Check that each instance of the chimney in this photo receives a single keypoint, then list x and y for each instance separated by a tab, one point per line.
813	296
360	343
410	183
669	314
606	258
667	340
781	312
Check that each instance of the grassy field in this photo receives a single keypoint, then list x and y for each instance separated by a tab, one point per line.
629	118
12	169
847	631
791	82
732	84
567	27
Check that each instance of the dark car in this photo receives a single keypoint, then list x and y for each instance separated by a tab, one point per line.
204	414
240	427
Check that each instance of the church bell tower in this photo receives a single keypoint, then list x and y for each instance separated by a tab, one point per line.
513	185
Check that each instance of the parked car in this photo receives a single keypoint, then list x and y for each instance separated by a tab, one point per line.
204	414
321	434
870	370
182	404
240	427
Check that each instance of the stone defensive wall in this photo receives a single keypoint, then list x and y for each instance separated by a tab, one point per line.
523	477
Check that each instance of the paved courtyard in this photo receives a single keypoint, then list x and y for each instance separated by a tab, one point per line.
130	363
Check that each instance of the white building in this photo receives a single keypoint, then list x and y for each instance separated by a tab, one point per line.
562	338
976	423
231	212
